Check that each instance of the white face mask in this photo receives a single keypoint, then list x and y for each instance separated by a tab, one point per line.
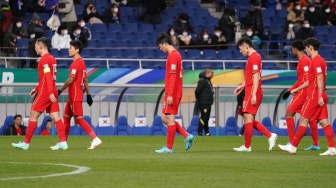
312	9
185	34
218	34
172	33
183	21
205	36
115	9
298	7
249	33
291	26
306	25
65	32
327	10
82	24
78	32
18	24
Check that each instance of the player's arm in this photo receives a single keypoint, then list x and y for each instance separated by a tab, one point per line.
66	84
255	82
295	90
199	88
320	88
239	88
87	90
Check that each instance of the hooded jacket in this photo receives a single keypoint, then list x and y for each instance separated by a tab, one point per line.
204	90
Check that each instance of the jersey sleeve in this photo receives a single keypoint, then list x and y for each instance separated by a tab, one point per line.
73	69
255	64
317	67
172	69
48	76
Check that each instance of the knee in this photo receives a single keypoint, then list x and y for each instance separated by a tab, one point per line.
304	121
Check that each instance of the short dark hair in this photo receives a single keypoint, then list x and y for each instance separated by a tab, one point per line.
77	44
245	40
298	44
44	41
16	116
312	42
49	120
163	38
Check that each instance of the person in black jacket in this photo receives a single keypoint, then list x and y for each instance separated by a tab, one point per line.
16	128
204	95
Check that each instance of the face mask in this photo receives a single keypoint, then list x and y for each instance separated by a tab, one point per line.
65	32
312	9
298	7
78	32
183	21
218	34
172	33
249	33
291	26
327	10
306	25
185	34
18	24
205	37
115	9
82	24
32	36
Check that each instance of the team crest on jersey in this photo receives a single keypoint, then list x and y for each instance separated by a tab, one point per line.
173	67
255	67
73	71
306	68
318	70
46	68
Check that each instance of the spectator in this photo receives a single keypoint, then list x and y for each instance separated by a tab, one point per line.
185	39
295	14
66	8
19	8
218	40
46	132
84	30
318	4
35	26
227	24
61	38
31	48
326	15
204	40
292	3
254	20
305	31
314	16
288	33
254	38
331	4
36	6
120	3
134	3
112	14
16	128
153	11
90	13
183	23
18	29
5	21
333	18
173	36
77	34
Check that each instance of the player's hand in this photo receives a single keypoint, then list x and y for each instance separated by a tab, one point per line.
59	92
52	98
253	99
170	100
320	101
33	92
89	100
294	91
238	90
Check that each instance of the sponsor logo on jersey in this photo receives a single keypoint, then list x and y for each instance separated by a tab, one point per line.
255	67
73	71
306	68
173	67
318	70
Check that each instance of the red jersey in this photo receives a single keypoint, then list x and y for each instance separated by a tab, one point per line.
317	67
253	65
302	73
45	132
78	72
174	74
18	131
47	72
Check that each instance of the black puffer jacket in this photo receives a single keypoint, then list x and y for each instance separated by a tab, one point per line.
204	91
254	20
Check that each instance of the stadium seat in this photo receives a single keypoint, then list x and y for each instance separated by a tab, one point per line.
96	35
112	27
131	53
86	53
334	125
121	44
140	131
146	53
122	127
225	54
100	53
193	127
9	120
194	54
22	43
98	27
74	130
266	121
105	131
146	28
231	128
209	54
158	128
115	53
136	43
131	27
108	35
126	36
44	123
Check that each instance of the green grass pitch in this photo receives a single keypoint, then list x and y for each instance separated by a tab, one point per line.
131	162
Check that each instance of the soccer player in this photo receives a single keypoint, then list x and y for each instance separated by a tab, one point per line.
315	105
173	94
299	98
45	94
76	81
253	95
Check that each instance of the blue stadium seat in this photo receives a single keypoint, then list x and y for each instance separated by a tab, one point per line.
201	65
63	64
108	35
92	43
131	27
140	131
281	13
266	121
131	53
137	43
100	53
64	53
268	13
127	11
115	53
8	120
121	44
96	35
54	52
86	53
105	131
74	130
96	63
126	36
231	128
114	27
161	28
209	54
79	11
142	35
146	28
194	54
146	53
193	127
122	127
98	27
321	30
22	43
49	34
158	128
225	54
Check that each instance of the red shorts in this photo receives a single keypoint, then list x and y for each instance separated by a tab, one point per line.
73	108
173	108
312	110
296	104
42	102
248	107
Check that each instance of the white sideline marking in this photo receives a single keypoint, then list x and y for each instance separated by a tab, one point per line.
80	169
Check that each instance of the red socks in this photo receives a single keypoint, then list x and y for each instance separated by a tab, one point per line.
290	128
30	131
248	132
329	133
314	131
262	129
66	122
60	130
298	135
171	135
180	130
86	127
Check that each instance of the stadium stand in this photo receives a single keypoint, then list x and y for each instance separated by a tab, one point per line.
122	127
193	127
158	128
231	128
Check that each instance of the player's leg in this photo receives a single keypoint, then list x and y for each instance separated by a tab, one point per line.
314	133
290	125
169	120
328	130
206	117
62	145
201	122
248	132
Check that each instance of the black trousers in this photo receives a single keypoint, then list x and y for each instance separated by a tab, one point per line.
205	110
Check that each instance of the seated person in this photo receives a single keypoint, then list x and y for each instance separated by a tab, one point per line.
77	34
61	38
85	31
204	40
185	39
305	31
252	35
46	132
90	14
218	39
16	128
173	36
183	23
112	14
